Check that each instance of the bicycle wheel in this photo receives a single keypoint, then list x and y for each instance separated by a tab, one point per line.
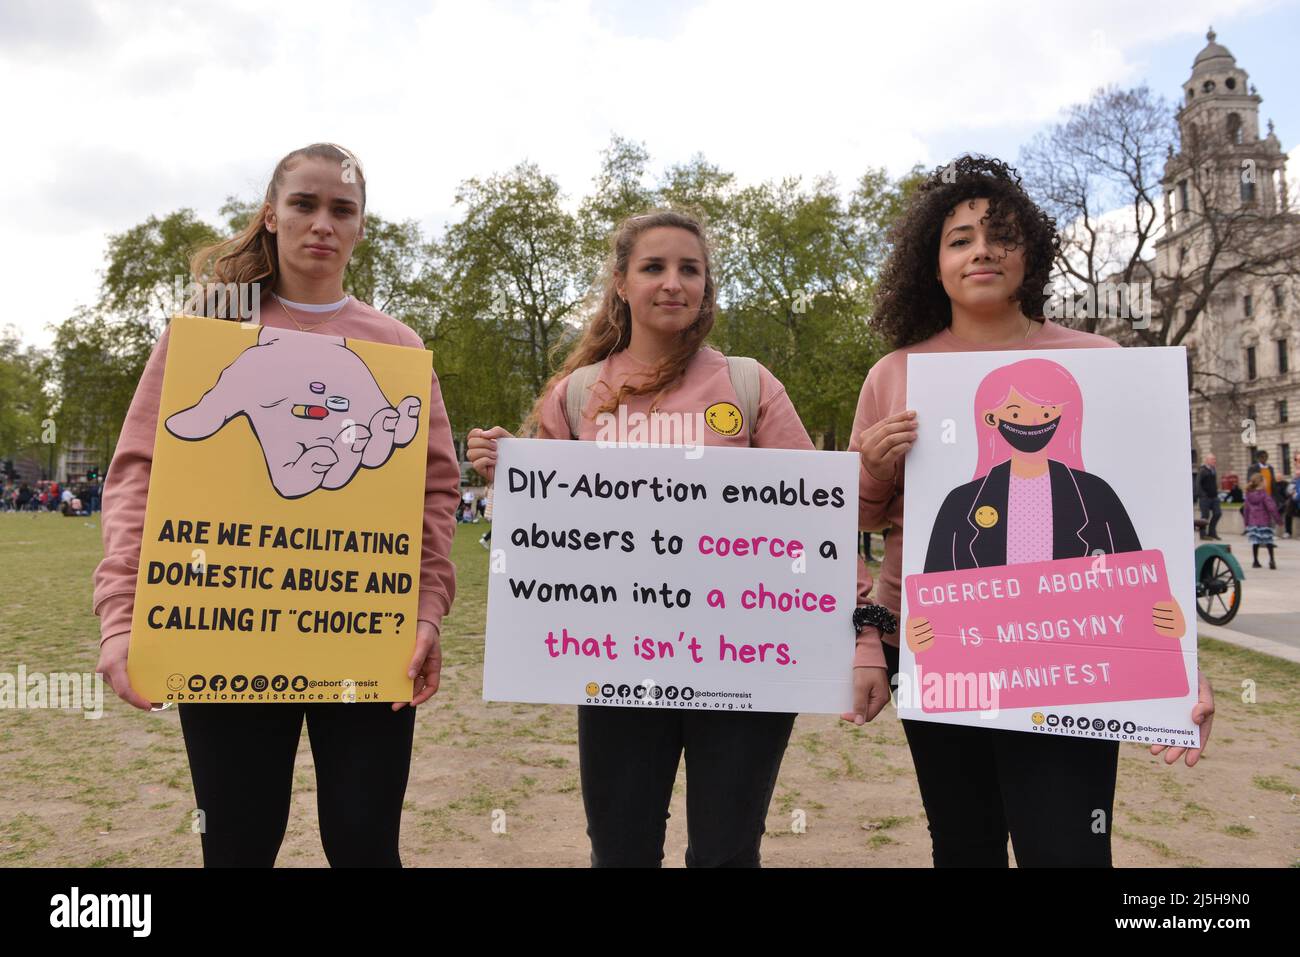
1218	592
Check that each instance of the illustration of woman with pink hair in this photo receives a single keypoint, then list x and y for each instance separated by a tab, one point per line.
1031	499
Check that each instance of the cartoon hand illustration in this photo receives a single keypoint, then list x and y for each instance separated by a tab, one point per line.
920	636
304	474
314	407
391	428
1168	618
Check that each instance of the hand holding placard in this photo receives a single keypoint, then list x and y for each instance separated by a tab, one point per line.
481	450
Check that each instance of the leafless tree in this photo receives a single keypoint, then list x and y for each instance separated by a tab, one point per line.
1098	174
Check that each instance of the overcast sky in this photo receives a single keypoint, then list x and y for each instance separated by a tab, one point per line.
113	111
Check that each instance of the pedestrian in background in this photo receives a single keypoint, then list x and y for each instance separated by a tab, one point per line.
1207	486
1259	512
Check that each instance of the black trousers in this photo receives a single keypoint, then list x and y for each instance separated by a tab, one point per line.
1211	510
628	759
241	761
1054	795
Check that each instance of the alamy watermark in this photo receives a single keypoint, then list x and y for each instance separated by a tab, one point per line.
76	909
948	691
61	690
240	301
655	430
1130	301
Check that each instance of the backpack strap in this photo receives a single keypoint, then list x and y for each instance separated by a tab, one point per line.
743	371
744	379
581	382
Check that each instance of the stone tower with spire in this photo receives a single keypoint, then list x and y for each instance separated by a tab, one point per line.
1242	348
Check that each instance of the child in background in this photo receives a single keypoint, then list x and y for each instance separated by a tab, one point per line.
1259	512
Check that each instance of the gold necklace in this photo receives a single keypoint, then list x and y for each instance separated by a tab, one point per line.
316	325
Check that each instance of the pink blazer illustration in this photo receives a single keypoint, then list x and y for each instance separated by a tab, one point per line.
314	407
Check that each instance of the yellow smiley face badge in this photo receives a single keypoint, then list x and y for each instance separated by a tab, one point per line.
592	689
723	418
986	516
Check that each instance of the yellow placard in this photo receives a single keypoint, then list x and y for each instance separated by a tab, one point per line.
281	552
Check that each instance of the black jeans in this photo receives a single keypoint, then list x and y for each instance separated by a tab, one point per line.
241	761
1054	795
1211	509
628	759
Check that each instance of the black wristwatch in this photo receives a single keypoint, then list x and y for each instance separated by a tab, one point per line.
876	615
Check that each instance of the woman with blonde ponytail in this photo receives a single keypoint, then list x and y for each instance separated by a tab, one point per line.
610	330
643	348
290	259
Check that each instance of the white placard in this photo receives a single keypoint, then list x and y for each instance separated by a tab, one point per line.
1070	639
607	586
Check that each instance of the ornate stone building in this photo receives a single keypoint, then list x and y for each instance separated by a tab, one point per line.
1242	348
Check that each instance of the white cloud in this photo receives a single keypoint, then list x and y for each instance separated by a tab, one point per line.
126	109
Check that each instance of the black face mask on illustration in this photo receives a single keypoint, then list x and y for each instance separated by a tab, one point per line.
1028	438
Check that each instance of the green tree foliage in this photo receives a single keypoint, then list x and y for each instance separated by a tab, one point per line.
390	270
799	273
703	189
99	353
513	271
96	362
22	400
146	261
619	190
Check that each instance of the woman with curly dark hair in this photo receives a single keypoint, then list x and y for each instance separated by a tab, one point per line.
969	272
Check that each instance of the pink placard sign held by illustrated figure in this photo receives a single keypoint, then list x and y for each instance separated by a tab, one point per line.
314	406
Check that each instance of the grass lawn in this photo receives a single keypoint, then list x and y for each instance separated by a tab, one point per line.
116	791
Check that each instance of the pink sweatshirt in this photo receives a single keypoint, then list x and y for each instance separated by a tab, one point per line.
884	393
707	381
126	485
